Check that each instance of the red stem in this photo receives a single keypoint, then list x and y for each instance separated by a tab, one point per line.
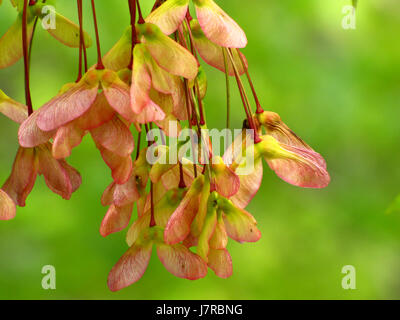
188	107
82	35
191	39
132	10
182	183
141	20
248	113
30	45
152	221
200	102
156	5
138	144
81	40
244	100
193	50
100	65
258	104
28	97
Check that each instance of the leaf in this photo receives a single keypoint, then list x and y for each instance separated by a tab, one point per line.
240	225
119	56
170	179
169	15
227	183
298	166
249	186
131	267
141	80
178	226
198	223
11	42
117	94
67	32
55	175
169	122
201	82
116	219
23	176
220	262
166	205
107	197
137	228
19	4
126	193
168	54
12	109
181	262
210	223
7	206
161	80
121	167
30	135
114	136
67	106
67	138
73	174
160	168
275	127
151	113
212	53
219	239
98	114
218	26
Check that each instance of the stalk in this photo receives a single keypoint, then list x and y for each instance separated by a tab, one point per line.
259	108
141	20
81	40
228	92
181	180
245	100
132	10
100	65
28	97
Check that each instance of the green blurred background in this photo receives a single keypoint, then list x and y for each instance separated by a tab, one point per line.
338	89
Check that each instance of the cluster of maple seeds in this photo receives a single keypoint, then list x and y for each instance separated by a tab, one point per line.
152	77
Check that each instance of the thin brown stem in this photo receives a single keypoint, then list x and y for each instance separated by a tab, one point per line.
193	121
182	183
200	102
228	92
152	220
245	100
100	65
188	108
28	97
191	39
81	40
138	144
156	5
197	91
258	104
141	20
82	35
31	43
132	10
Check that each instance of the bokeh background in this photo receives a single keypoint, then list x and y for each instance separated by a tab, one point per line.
338	89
